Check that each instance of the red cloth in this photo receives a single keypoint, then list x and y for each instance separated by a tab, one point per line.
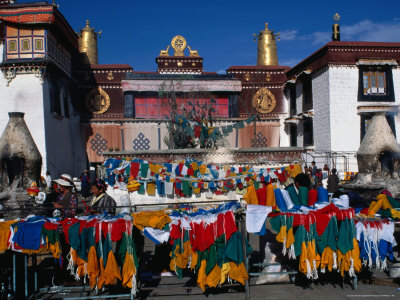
262	196
197	131
66	224
312	197
134	169
226	224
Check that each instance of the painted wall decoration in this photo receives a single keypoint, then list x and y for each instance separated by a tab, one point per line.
98	144
141	143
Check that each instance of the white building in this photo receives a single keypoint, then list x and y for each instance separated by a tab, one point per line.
333	94
37	51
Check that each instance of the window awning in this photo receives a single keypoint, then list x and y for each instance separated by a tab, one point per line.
377	62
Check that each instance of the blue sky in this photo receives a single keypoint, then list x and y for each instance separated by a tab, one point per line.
135	31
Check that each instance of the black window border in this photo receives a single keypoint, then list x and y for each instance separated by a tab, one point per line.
389	97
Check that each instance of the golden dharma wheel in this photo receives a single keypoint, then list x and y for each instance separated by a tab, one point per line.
97	101
264	101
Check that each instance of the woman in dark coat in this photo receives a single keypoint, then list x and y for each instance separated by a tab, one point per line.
101	201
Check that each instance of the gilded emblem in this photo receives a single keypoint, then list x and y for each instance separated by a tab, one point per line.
110	76
247	76
179	44
97	101
268	77
264	101
180	64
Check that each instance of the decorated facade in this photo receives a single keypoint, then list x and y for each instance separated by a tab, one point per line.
52	74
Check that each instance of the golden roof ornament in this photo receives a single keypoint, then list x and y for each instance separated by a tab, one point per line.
88	44
336	28
266	47
179	44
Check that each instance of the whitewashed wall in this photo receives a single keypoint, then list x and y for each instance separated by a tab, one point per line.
24	94
321	106
345	122
396	85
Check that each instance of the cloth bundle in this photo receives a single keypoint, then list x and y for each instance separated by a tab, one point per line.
208	242
376	242
91	252
33	235
322	239
385	205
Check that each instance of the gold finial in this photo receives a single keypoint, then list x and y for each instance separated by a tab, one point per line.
336	28
336	17
266	47
88	44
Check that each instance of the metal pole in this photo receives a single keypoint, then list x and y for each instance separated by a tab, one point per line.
243	231
34	263
26	275
14	275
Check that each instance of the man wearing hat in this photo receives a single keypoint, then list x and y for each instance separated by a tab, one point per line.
67	201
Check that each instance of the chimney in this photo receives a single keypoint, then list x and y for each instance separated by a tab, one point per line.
20	158
379	141
336	28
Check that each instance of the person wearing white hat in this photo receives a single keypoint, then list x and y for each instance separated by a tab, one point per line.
67	201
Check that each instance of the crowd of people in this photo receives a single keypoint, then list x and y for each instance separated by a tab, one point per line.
63	196
317	175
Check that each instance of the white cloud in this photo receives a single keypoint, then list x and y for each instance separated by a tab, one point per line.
288	35
367	30
320	37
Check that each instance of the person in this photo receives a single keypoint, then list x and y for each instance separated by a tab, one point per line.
333	182
326	169
318	178
293	189
85	184
313	168
101	201
48	180
67	200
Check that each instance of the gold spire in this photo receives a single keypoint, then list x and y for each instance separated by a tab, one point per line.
88	44
336	28
266	47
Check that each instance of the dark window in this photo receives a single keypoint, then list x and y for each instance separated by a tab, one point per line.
66	106
129	106
307	93
292	92
366	121
308	133
293	135
375	84
55	104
